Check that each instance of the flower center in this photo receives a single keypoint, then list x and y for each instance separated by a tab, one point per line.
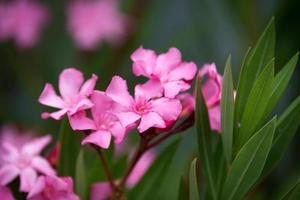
105	121
142	106
24	161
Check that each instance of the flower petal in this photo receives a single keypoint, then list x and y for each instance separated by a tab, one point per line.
167	61
88	87
215	118
6	194
37	145
186	71
8	173
100	191
83	104
102	103
118	131
55	115
144	61
149	120
37	188
28	178
50	98
70	81
43	166
168	109
148	90
127	118
118	91
99	138
80	121
172	88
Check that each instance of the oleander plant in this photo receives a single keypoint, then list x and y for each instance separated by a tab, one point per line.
119	142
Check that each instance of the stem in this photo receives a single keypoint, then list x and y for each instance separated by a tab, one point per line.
106	168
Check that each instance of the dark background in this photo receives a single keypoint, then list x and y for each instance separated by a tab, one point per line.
204	30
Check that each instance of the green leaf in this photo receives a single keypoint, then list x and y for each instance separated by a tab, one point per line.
193	185
280	82
249	163
292	192
256	104
286	128
70	144
227	111
182	192
147	187
80	176
252	66
220	167
204	139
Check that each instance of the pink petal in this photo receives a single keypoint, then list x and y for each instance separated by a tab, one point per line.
144	62
43	166
8	173
69	181
102	103
211	92
70	81
38	187
88	86
148	90
99	138
208	69
6	194
172	88
55	115
79	121
83	104
215	118
100	191
28	178
118	131
118	91
149	120
168	109
127	118
37	145
167	61
186	71
50	98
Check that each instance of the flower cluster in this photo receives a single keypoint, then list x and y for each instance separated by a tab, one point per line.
113	112
20	157
22	21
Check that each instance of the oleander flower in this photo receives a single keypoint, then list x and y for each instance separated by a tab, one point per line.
104	125
52	187
23	159
22	21
90	22
168	68
5	193
74	94
147	109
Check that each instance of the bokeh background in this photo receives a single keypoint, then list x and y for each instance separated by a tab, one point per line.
204	30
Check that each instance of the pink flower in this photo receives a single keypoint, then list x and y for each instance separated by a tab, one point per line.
173	74
146	109
93	21
104	124
52	187
6	194
23	160
22	21
102	190
74	94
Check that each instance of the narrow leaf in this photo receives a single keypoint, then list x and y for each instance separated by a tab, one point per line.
193	185
70	144
286	128
147	186
254	63
227	111
291	192
182	192
80	176
256	104
204	138
280	82
249	163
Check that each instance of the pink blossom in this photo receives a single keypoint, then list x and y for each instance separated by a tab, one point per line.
147	109
74	94
168	68
102	190
93	21
23	160
5	193
22	21
104	124
52	187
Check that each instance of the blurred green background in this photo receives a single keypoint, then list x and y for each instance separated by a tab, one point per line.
204	30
